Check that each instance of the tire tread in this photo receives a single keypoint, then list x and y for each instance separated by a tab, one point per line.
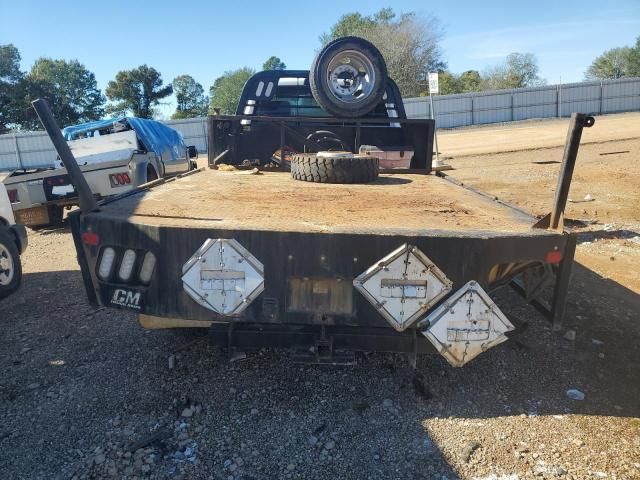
310	168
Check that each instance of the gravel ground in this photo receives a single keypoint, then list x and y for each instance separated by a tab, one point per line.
90	394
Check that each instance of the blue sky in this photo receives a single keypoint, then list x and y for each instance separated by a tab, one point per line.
205	38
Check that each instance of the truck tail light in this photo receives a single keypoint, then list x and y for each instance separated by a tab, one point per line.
120	179
126	266
91	238
106	263
13	196
148	264
123	265
554	256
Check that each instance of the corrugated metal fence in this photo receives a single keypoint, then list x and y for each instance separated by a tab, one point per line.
496	106
34	149
30	150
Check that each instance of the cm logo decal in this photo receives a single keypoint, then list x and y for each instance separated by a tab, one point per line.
126	298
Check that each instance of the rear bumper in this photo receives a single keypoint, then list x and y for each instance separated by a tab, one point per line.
20	232
310	296
291	259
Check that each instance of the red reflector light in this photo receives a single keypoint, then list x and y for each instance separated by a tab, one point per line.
90	238
13	196
126	178
554	256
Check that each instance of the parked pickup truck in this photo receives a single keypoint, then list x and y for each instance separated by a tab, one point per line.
331	253
115	156
13	242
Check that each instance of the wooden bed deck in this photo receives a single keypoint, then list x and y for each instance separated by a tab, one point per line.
394	204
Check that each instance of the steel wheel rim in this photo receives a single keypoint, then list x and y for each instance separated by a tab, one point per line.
350	77
6	266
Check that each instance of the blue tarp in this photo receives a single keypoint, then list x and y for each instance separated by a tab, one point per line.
155	136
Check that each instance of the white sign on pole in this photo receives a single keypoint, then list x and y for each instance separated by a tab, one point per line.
433	88
433	83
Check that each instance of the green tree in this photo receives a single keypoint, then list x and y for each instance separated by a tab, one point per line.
10	64
633	60
409	43
11	86
616	63
448	83
611	64
70	89
137	91
190	98
349	24
226	90
274	63
470	81
357	24
519	70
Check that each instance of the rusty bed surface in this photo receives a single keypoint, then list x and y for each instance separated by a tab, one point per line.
398	203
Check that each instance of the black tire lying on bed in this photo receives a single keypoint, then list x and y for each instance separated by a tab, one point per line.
334	167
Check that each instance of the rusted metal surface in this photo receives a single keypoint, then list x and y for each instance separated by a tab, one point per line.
320	295
561	287
572	144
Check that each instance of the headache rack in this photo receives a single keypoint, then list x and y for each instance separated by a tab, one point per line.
233	138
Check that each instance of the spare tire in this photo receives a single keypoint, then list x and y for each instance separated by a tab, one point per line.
348	77
333	167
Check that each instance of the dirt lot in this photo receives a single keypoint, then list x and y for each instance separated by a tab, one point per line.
87	393
607	170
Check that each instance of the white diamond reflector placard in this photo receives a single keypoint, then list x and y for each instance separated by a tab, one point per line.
403	286
223	276
465	325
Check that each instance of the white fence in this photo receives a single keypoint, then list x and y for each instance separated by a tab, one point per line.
26	150
610	96
34	149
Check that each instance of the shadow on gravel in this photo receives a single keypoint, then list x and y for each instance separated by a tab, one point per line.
80	384
49	229
585	237
391	181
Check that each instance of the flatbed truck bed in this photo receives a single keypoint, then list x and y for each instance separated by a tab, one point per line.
405	263
399	203
314	243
